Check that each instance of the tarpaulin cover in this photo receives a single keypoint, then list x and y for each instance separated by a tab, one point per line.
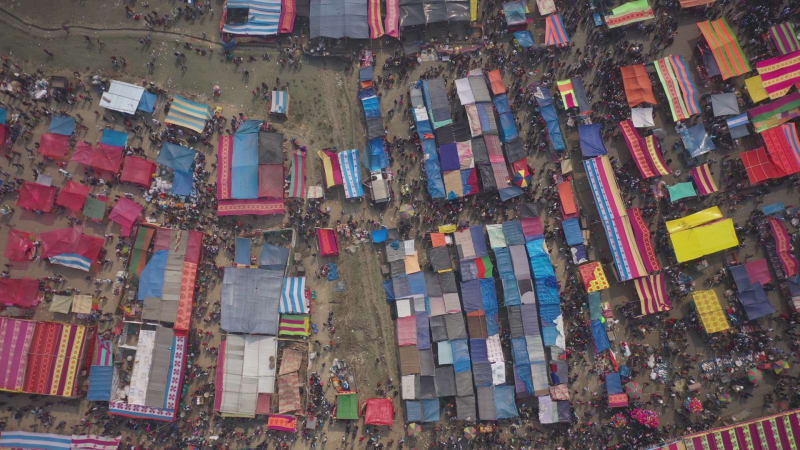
25	439
638	88
101	157
545	7
681	190
374	19
704	240
628	13
724	104
696	140
148	102
328	245
55	146
70	247
710	311
188	114
566	195
114	138
504	404
785	38
485	399
347	406
755	302
423	331
593	276
600	336
553	128
482	374
263	17
379	411
613	383
176	157
21	292
758	271
435	95
471	295
572	231
461	361
465	408
591	140
478	351
513	232
273	257
63	125
413	411
515	13
447	281
642	117
783	146
726	49
406	331
524	38
555	33
250	299
454	323
532	227
496	82
759	166
779	74
100	379
37	197
703	179
19	246
242	251
137	170
508	127
776	112
125	213
430	410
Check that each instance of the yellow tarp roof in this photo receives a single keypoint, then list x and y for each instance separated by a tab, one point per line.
755	88
710	311
696	219
704	240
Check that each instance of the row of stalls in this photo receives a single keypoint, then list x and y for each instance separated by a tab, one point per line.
377	157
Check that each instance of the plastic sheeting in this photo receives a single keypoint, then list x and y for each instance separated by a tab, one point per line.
137	170
36	197
54	146
591	140
63	125
125	213
20	292
504	404
250	300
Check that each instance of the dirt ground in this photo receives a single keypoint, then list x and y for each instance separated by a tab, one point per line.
324	112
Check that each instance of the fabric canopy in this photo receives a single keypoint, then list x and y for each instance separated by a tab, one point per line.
759	166
704	240
19	246
785	38
703	180
783	146
638	88
646	152
653	294
681	91
696	140
293	296
776	112
725	47
125	213
681	190
55	146
102	157
724	104
555	33
642	117
73	196
710	311
36	197
176	157
328	246
779	74
628	13
379	411
137	170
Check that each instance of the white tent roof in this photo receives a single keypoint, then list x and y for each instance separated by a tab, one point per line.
122	97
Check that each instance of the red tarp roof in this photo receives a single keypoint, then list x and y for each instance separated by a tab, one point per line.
70	240
19	246
638	88
102	157
758	271
780	148
379	411
73	196
138	170
37	197
759	166
270	181
22	292
125	213
327	242
496	81
406	331
54	146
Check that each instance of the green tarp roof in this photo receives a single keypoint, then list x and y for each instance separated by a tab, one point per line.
347	406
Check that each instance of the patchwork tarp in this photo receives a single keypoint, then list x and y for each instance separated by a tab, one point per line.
137	170
628	13
250	300
70	247
249	371
188	114
245	187
181	161
555	33
710	311
591	140
785	38
726	49
779	74
638	88
681	92
54	146
653	294
703	179
37	197
776	112
25	439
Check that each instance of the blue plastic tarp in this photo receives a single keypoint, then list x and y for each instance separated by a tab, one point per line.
484	112
63	125
273	257
366	74
695	139
478	241
433	171
505	407
478	351
176	157
600	335
423	331
572	231
492	324
504	265
773	208
448	157
613	383
595	300
388	289
471	295
370	103
553	128
333	272
376	151
3	116
755	302
523	373
501	104
242	251
151	280
244	165
489	295
513	232
519	350
114	138
543	96
524	38
416	283
591	140
100	378
511	296
514	12
508	127
461	362
430	410
148	102
379	236
414	411
509	193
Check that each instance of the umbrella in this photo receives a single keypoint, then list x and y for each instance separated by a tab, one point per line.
646	417
693	405
780	365
754	375
414	429
470	432
522	178
725	397
633	389
406	211
619	420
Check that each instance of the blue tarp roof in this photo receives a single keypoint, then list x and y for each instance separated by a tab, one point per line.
695	139
478	351
508	127
595	300
488	295
504	265
388	289
501	104
176	157
432	169
553	128
100	378
148	102
423	331
416	283
773	208
376	152
492	324
64	125
243	251
471	295
151	280
274	257
414	411
244	164
3	116
514	12
613	383
513	232
379	236
524	38
370	103
755	302
505	407
600	335
519	351
430	410
572	231
591	140
478	241
523	373
114	138
461	361
511	296
366	73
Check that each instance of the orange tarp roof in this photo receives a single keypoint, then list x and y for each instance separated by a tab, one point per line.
567	198
496	80
638	88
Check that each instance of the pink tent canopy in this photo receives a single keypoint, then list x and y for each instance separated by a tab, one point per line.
22	292
125	213
138	170
37	197
70	241
19	246
379	411
73	196
102	157
55	146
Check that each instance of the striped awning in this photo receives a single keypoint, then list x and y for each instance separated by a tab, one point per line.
188	114
293	297
280	102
